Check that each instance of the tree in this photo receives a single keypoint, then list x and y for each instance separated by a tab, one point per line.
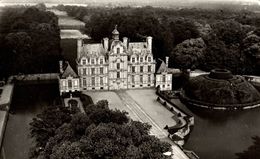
20	46
189	53
24	42
229	31
251	45
225	49
253	151
183	29
44	126
106	135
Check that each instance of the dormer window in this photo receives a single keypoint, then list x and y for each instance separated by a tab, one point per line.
84	61
118	50
141	59
149	59
133	60
101	61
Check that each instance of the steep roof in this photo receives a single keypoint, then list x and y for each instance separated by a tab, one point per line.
162	67
93	50
115	43
115	31
138	48
69	72
138	45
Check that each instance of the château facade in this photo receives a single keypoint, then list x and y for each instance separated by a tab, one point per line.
111	65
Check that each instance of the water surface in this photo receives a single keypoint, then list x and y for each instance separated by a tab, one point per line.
221	134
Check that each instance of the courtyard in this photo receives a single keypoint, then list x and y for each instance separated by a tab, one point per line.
141	105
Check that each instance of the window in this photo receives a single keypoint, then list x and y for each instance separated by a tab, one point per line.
149	78
92	61
133	69
101	80
141	78
118	50
84	62
69	83
149	59
118	75
92	71
118	65
141	68
141	59
133	59
101	61
84	71
93	81
84	82
163	78
101	70
63	83
149	68
133	78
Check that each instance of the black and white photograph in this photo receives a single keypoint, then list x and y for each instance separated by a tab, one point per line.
129	79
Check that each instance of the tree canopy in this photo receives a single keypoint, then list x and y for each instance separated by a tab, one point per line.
101	133
189	53
29	41
224	33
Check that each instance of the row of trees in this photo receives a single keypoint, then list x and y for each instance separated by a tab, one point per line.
101	133
29	41
193	38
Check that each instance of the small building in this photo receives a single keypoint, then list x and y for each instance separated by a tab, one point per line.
68	79
164	76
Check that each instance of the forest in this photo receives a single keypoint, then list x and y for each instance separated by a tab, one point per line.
29	41
192	38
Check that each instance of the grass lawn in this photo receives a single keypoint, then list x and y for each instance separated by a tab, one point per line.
70	23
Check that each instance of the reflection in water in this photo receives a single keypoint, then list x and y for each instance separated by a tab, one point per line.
221	134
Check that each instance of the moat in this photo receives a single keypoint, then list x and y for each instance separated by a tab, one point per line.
221	134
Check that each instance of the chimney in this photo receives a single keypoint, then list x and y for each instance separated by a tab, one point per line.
125	41
149	42
105	43
167	61
79	47
61	66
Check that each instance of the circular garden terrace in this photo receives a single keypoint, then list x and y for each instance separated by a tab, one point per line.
220	90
